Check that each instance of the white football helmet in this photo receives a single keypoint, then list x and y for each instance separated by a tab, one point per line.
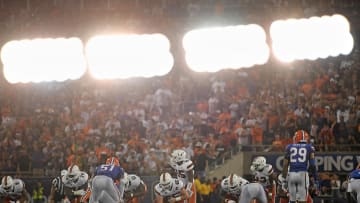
178	155
73	169
73	172
166	180
132	182
234	183
259	163
7	183
63	172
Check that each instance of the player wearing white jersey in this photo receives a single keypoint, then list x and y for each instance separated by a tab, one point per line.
237	189
264	174
231	188
184	169
75	183
170	190
13	190
134	187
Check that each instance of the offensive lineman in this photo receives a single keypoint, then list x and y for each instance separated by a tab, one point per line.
106	185
264	174
75	183
299	159
134	187
170	190
237	189
353	186
13	190
184	169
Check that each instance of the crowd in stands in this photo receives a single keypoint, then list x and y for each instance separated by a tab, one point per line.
46	127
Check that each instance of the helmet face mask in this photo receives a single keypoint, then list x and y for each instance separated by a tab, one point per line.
259	163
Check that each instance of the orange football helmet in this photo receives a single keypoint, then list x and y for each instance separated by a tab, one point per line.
301	136
112	161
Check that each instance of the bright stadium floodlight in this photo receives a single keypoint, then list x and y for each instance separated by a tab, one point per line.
43	60
311	38
128	56
214	49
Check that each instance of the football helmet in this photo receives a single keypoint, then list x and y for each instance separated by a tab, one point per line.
73	169
234	183
178	155
166	180
112	161
131	182
259	163
63	172
7	183
301	136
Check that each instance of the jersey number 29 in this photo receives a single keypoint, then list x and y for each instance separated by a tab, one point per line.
298	154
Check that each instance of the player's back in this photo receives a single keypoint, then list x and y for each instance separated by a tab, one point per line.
298	155
112	171
355	174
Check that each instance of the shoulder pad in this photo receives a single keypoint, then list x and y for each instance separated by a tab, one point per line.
269	169
19	185
188	165
178	183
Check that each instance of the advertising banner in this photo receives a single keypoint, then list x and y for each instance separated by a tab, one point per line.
337	163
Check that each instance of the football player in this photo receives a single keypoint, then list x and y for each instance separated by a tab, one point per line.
75	183
237	189
13	190
134	188
231	188
57	189
264	174
299	159
106	185
170	190
184	170
353	187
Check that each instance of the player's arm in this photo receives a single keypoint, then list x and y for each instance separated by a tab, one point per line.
286	164
312	165
141	190
86	196
190	175
271	174
25	197
184	196
52	194
159	198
